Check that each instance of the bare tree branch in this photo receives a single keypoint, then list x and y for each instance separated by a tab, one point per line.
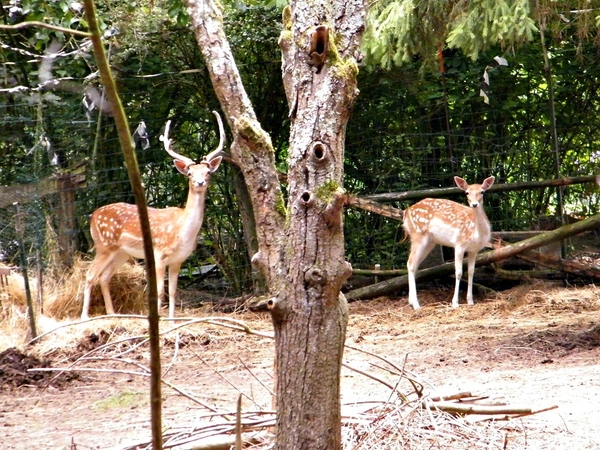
35	23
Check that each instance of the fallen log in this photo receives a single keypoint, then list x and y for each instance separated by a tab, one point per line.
379	272
394	284
444	192
564	265
509	274
377	208
520	274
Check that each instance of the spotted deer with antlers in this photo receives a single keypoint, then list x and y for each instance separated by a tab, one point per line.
439	221
117	233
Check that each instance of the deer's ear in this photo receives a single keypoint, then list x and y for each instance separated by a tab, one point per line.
487	183
461	183
215	163
181	166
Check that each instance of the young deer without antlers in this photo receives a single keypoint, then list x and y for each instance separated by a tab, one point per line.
117	234
438	221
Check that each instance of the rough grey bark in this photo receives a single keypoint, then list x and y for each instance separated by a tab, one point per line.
300	241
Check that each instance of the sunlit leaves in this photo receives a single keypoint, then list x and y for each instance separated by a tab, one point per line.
491	22
399	30
177	11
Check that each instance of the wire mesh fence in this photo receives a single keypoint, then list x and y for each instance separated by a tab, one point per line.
408	132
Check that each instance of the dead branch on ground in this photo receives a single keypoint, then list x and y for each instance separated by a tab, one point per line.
416	409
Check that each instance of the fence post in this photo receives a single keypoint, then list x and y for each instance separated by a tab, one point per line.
19	230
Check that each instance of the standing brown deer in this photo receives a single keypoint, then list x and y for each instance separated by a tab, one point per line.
439	221
117	234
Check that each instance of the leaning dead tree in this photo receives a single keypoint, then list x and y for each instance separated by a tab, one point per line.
504	252
439	192
300	239
374	203
559	264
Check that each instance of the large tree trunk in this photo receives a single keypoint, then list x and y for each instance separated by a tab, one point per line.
301	246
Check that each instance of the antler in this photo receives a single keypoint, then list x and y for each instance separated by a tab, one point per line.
218	150
167	143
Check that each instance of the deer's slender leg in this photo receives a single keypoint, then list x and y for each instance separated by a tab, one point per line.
173	279
459	255
160	281
471	256
103	267
419	249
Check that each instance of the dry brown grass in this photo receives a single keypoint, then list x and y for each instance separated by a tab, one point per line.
63	299
383	423
64	293
551	294
12	293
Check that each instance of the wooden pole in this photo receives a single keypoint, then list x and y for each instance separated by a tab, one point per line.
30	310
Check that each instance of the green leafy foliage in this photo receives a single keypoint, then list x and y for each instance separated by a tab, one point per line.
486	22
399	30
413	130
412	127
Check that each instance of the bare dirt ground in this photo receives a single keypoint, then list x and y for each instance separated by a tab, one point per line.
535	345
